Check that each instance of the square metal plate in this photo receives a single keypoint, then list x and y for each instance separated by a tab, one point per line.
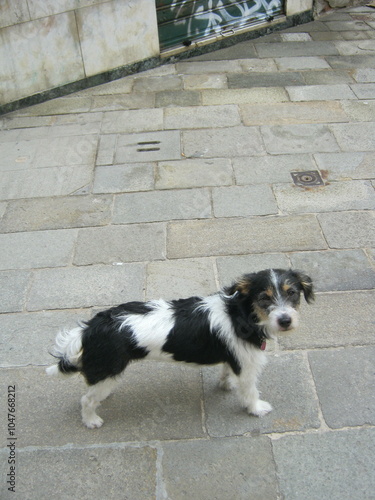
308	178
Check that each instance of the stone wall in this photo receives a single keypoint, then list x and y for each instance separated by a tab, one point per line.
52	47
45	44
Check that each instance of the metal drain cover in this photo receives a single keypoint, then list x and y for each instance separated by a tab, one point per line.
307	179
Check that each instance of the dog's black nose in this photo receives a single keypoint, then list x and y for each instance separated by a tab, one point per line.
285	321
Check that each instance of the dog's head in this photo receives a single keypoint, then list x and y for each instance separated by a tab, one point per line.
269	299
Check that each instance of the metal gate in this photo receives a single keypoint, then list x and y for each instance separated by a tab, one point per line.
182	22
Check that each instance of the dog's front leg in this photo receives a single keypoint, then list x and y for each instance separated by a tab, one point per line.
249	394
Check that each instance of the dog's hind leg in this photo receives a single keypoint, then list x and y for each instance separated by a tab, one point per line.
92	399
228	379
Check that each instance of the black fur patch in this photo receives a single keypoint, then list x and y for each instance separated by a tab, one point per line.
106	349
191	340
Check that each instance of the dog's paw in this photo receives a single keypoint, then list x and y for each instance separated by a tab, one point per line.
260	408
94	422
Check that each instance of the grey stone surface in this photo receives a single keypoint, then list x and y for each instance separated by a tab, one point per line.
238	236
262	95
341	166
201	117
218	468
296	49
354	62
75	287
56	213
242	201
153	401
124	178
364	90
334	320
222	142
162	206
282	139
348	229
292	113
230	268
355	136
269	169
43	182
360	110
336	270
299	63
180	278
13	289
138	120
349	195
177	98
244	80
344	381
192	173
335	465
286	384
96	478
36	333
118	244
37	249
331	77
321	92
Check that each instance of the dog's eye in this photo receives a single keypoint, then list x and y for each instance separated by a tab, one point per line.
291	292
265	300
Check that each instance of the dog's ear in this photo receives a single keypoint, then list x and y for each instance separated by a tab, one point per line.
242	285
306	286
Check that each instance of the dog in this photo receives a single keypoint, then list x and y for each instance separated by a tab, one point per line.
231	327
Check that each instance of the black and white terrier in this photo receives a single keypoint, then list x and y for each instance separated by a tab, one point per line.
229	327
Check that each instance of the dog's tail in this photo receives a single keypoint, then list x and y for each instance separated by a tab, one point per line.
68	350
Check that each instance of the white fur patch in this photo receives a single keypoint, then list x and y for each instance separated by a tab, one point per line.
151	330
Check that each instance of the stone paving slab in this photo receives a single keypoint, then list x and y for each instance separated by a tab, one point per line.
192	173
238	236
153	401
292	113
286	384
124	178
27	249
335	465
36	332
243	201
85	286
129	243
345	382
57	473
335	196
337	269
324	325
303	138
13	289
56	213
349	229
180	278
217	468
155	206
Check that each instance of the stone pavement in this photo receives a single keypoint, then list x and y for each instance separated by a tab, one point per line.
173	182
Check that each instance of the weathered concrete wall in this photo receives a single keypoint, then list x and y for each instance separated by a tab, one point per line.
46	44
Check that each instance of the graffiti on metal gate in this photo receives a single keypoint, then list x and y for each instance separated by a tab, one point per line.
183	21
